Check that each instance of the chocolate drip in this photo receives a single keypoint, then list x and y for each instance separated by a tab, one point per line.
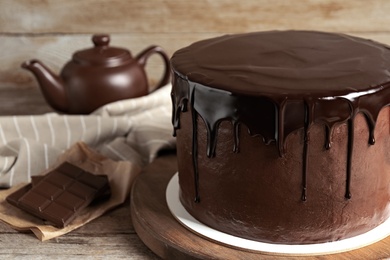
279	134
180	97
265	118
276	83
349	158
195	145
306	139
236	132
328	134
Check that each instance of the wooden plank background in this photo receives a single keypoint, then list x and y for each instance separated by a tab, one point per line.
51	30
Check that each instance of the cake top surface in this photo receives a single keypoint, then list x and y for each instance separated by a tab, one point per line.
286	63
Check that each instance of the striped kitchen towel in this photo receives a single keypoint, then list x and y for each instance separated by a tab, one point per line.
133	130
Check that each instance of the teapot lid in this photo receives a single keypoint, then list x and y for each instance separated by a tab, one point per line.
102	54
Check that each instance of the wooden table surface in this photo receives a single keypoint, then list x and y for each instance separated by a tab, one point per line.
111	236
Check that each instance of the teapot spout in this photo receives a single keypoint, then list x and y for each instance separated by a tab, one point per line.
52	86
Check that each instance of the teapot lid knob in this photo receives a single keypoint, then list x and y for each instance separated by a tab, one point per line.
100	40
102	54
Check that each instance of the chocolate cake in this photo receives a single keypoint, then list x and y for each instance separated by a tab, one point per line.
283	136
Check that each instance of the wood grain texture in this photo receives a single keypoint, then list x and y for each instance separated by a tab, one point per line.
53	30
111	236
28	101
187	16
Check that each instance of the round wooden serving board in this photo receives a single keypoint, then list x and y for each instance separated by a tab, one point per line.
169	239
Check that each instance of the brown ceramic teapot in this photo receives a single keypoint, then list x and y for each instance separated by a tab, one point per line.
96	76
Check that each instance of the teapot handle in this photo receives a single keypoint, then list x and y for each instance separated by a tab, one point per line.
143	57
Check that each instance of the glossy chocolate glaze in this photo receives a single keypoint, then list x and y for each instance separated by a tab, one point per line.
278	82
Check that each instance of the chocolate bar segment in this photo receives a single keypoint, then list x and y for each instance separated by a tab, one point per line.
14	197
35	179
61	194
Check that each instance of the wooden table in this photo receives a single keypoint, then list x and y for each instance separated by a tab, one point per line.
113	235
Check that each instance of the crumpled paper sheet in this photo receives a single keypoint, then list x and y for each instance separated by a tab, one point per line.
121	175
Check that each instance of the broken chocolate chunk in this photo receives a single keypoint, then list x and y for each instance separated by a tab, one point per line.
61	194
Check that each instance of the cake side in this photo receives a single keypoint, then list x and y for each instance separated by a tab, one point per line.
254	143
256	194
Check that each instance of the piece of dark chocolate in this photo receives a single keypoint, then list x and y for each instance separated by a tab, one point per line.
60	195
35	179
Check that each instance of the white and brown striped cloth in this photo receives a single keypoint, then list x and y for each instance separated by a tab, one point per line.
133	130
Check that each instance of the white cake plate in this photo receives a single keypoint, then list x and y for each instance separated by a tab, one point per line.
180	213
